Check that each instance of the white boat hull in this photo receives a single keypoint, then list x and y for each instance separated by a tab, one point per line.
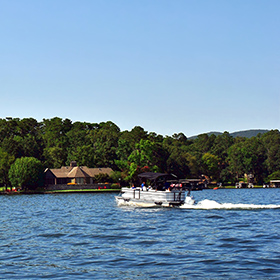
151	198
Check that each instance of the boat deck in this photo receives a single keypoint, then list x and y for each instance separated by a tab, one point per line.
174	196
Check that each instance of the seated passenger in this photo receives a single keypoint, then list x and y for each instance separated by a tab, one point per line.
166	186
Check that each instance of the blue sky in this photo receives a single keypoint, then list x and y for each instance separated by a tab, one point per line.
189	66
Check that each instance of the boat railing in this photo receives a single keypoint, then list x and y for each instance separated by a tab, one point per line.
138	193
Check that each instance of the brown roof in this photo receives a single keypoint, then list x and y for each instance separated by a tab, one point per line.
95	171
79	171
60	173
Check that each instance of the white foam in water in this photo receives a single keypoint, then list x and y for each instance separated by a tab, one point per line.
205	204
135	204
211	204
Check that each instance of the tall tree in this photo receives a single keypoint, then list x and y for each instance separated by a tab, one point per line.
55	141
80	148
203	143
141	159
104	142
178	162
221	145
235	160
26	173
271	142
246	157
138	133
212	165
5	163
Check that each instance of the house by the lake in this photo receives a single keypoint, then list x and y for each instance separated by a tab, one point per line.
73	174
274	183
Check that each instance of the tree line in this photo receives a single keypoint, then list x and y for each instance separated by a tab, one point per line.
56	142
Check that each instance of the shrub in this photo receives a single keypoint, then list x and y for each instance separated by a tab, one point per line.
26	173
115	186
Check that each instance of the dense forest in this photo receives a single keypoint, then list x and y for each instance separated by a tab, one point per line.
56	142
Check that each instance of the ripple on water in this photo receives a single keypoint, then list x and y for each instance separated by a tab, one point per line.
86	236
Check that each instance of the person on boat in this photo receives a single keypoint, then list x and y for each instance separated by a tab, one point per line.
142	186
133	187
166	186
160	187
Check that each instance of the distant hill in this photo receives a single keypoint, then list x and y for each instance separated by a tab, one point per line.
249	133
244	133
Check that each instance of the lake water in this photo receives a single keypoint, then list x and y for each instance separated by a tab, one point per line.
87	236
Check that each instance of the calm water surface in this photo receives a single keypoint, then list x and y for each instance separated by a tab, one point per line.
86	236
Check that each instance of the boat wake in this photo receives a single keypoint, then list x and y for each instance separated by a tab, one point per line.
203	205
212	204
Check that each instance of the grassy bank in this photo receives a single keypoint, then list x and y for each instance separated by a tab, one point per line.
3	191
83	190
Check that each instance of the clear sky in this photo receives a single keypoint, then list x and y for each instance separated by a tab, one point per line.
190	66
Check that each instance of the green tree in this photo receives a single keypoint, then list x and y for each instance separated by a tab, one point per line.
143	153
28	126
220	149
180	138
178	162
80	148
5	163
141	159
8	128
271	142
181	159
124	149
221	145
235	160
247	156
274	176
137	134
104	142
83	155
54	156
102	178
157	138
55	140
21	137
28	146
11	146
128	140
211	163
200	146
203	144
27	173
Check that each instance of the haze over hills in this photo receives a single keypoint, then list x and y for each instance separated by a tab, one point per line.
244	133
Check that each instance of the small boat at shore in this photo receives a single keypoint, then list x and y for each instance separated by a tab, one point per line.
164	190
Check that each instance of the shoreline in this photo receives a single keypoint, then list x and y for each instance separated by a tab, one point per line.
107	190
61	191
